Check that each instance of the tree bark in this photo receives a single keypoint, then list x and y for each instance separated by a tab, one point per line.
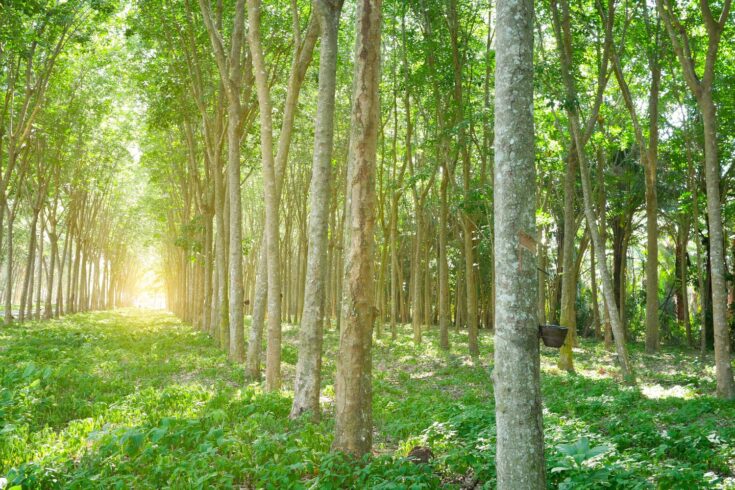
568	315
302	58
308	367
723	364
518	410
273	351
353	382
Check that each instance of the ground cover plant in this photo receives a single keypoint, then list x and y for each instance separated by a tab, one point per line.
136	399
359	216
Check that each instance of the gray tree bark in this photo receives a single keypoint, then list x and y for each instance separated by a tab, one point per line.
308	367
301	59
516	376
273	351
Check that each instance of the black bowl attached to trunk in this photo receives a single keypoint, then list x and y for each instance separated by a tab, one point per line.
552	335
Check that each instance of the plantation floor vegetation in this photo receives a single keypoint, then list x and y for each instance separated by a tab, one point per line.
136	399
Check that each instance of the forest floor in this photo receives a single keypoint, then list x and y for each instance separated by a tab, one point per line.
134	399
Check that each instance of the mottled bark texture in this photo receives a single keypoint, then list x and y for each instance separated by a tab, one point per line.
520	439
302	56
308	367
353	383
273	351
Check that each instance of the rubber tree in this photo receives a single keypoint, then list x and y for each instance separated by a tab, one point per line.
353	382
308	366
518	411
701	89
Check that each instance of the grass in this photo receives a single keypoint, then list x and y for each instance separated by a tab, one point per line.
135	399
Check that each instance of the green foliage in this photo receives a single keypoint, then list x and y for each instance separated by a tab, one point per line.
136	400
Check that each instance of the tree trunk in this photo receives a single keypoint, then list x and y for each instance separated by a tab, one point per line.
541	274
302	58
353	381
39	273
65	261
273	351
26	294
308	367
518	410
723	365
568	317
416	278
9	272
596	323
443	265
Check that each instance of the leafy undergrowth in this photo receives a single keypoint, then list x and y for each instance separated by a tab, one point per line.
135	399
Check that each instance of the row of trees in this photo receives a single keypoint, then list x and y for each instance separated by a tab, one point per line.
204	245
285	193
434	183
63	206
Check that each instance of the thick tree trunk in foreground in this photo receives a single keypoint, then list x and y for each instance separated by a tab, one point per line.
353	383
308	367
520	438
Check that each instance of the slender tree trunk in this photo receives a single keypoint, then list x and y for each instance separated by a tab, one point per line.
395	283
26	296
601	211
516	376
428	320
568	317
273	351
39	273
541	276
443	265
353	381
596	323
602	270
723	364
9	272
222	304
255	338
301	61
416	278
563	33
236	336
694	188
206	299
65	260
468	226
308	367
